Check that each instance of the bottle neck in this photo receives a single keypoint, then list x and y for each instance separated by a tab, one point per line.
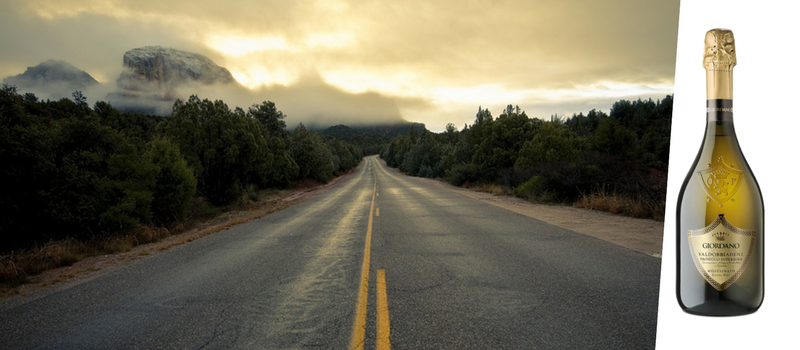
719	110
719	114
719	81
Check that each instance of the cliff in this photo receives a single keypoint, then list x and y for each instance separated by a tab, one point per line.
153	77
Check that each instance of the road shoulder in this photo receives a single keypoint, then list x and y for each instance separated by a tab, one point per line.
642	235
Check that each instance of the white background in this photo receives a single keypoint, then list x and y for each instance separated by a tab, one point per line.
766	100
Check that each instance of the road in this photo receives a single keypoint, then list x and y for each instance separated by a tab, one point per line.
455	273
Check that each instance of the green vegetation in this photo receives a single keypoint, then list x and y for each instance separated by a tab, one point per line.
615	162
370	139
75	173
99	180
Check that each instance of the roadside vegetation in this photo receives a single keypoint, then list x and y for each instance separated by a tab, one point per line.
616	162
78	181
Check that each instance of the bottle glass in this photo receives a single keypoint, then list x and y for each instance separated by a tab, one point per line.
720	213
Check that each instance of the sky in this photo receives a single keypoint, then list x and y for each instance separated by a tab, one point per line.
434	62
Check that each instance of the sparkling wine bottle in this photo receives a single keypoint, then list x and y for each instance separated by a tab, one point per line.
720	214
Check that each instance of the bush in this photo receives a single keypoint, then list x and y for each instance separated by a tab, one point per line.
464	173
530	188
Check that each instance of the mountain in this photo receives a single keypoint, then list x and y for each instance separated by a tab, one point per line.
153	76
52	75
350	133
168	68
371	138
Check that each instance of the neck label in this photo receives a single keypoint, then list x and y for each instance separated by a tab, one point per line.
719	110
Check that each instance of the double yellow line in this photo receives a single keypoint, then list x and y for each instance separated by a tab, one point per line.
359	326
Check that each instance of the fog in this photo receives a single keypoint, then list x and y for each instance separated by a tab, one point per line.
310	101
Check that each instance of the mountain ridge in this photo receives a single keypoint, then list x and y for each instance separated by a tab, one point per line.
153	77
52	72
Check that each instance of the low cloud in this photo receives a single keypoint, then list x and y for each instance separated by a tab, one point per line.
314	103
310	100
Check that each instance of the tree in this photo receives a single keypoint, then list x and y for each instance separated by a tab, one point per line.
270	117
615	139
101	175
311	154
27	158
225	149
279	167
174	185
79	99
553	143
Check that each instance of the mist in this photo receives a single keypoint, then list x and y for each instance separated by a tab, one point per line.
310	101
313	102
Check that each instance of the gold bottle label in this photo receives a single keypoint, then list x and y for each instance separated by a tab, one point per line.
721	251
720	181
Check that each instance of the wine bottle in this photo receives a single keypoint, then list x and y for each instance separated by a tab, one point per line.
720	214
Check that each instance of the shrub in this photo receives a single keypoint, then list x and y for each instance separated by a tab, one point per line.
464	173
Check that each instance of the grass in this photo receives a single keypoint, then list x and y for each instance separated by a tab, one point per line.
494	189
635	207
601	200
17	267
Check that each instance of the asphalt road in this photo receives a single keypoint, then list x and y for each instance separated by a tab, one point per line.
458	273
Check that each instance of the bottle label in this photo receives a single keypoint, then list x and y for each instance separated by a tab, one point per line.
719	110
720	181
721	251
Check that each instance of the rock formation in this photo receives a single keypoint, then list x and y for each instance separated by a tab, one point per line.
153	77
52	75
155	69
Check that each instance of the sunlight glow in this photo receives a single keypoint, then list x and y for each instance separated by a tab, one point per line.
258	76
477	95
387	81
335	40
237	46
240	46
493	94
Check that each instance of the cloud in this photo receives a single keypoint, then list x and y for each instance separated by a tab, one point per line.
92	42
476	42
315	103
405	52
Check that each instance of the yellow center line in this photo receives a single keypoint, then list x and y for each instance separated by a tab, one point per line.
382	339
360	324
377	211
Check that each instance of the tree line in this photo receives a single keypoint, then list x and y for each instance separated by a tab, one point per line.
71	170
624	153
